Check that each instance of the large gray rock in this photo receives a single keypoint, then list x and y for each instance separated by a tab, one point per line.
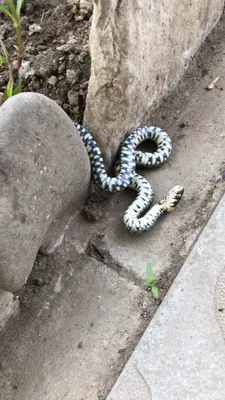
44	180
140	49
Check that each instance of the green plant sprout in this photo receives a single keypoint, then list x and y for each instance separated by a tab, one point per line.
9	90
2	58
151	280
14	14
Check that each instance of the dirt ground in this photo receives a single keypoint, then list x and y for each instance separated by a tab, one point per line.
82	309
57	50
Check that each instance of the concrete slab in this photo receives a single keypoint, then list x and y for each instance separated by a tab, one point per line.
182	353
195	119
78	324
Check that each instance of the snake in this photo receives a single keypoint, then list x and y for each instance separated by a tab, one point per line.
139	216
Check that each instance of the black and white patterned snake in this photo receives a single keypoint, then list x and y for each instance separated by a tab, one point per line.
134	219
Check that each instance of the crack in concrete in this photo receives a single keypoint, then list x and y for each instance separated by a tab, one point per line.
145	382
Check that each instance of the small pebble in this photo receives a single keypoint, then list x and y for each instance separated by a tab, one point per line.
121	351
62	67
72	98
29	8
71	75
34	28
52	80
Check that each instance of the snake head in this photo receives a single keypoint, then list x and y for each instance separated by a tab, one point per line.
173	198
169	203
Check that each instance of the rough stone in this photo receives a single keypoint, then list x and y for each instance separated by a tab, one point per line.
52	80
29	8
44	180
71	76
73	98
8	307
82	4
46	63
139	50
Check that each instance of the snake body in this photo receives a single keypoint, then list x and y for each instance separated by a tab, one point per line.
127	176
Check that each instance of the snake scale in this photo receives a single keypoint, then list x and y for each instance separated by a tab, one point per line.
126	175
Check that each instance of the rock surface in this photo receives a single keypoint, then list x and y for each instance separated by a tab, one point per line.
8	307
139	52
44	180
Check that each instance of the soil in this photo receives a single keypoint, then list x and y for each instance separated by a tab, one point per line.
55	37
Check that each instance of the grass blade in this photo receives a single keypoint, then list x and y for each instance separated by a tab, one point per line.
7	12
18	7
18	88
13	12
5	94
8	90
150	275
2	58
155	292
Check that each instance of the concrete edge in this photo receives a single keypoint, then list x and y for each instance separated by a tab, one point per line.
182	353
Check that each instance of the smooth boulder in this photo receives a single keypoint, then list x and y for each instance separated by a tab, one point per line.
44	182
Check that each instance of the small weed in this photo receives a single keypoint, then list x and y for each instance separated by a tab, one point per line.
10	90
150	282
2	58
13	12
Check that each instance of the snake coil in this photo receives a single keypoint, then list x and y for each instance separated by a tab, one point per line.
134	219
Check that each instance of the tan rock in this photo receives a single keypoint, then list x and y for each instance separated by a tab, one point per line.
140	49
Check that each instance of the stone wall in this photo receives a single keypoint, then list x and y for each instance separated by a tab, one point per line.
140	49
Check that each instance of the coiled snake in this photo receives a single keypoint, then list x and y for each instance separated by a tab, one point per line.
127	177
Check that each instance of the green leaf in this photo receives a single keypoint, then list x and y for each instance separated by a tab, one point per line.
5	94
2	59
7	12
18	7
8	90
147	283
150	276
155	292
17	90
